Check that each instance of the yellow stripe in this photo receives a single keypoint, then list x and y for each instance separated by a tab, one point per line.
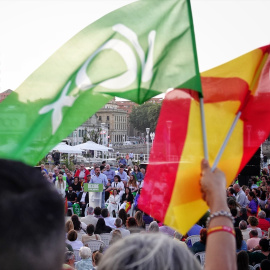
186	206
234	68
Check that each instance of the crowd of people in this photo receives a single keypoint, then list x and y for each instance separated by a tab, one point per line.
234	234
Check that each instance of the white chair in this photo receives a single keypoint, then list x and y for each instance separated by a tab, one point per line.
76	254
201	256
192	239
106	238
257	266
95	245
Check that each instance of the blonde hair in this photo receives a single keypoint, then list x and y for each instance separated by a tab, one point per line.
139	218
69	226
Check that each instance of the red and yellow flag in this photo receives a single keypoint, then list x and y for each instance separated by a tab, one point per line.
171	190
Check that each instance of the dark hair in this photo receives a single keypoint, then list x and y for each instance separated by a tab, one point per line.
105	212
100	226
254	232
102	167
232	191
122	167
76	222
123	215
97	257
265	264
131	222
97	211
233	212
257	192
203	236
264	244
118	177
72	235
263	196
40	207
90	229
252	194
238	237
242	260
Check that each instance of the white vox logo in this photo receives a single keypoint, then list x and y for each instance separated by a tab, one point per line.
84	82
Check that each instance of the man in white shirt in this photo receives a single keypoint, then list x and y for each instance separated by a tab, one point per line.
118	226
122	174
90	219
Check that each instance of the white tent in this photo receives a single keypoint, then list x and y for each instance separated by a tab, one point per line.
93	146
64	148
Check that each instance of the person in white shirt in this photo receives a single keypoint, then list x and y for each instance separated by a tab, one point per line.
109	221
114	201
90	219
241	196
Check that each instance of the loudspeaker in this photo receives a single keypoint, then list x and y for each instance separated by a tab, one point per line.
253	167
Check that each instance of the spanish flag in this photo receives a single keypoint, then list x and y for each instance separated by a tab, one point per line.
171	192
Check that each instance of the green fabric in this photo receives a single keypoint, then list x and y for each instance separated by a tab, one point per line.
135	52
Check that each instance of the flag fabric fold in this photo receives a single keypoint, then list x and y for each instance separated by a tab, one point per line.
135	52
171	190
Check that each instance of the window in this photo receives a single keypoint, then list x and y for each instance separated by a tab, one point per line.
108	118
99	118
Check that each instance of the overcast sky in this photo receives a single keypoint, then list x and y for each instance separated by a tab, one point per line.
30	31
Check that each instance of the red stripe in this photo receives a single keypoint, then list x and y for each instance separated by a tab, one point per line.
162	170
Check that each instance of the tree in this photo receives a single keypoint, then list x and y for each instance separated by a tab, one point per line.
145	116
93	135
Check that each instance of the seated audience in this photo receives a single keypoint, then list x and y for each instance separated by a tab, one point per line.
116	236
242	260
69	261
256	257
240	243
254	240
139	219
114	201
78	226
200	245
90	234
153	227
253	224
101	227
263	224
72	240
90	219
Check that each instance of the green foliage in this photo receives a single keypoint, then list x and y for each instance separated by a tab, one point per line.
93	135
144	116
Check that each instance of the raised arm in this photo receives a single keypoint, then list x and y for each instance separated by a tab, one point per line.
221	245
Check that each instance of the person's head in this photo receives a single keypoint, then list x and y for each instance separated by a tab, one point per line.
253	221
148	251
90	229
60	177
230	192
85	253
90	210
178	235
97	211
262	215
234	212
97	171
117	178
264	179
56	170
82	167
139	218
105	212
69	258
203	235
118	222
88	177
131	222
108	167
232	203
127	190
256	192
251	196
76	180
68	173
153	227
253	234
265	264
100	223
115	192
40	207
42	167
70	189
131	178
238	237
97	256
76	222
247	191
236	187
72	235
123	215
242	225
69	226
243	212
121	169
242	260
136	168
116	236
50	175
264	244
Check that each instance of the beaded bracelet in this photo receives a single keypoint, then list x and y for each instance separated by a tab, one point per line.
221	229
218	214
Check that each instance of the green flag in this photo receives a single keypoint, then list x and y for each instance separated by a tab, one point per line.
135	52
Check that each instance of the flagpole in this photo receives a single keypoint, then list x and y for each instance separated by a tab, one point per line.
225	142
205	147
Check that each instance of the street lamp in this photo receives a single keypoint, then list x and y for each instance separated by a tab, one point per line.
102	132
152	136
147	141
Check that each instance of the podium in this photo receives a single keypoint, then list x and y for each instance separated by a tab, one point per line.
94	193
